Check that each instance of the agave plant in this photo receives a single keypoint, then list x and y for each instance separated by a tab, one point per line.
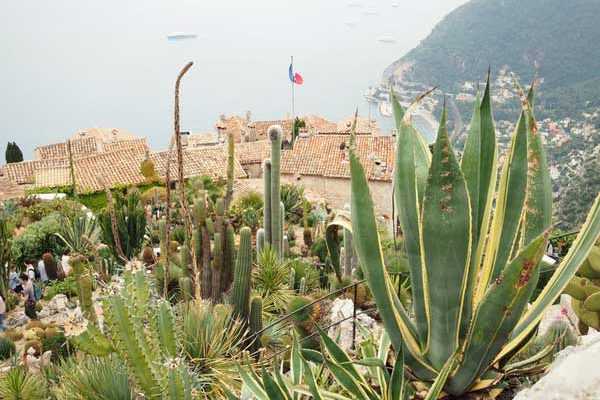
81	234
474	248
270	280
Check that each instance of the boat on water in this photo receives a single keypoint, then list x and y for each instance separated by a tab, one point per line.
386	39
181	35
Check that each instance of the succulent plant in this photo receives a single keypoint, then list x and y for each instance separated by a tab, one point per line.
7	348
470	288
240	296
585	290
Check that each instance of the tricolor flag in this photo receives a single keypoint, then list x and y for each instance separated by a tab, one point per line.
295	77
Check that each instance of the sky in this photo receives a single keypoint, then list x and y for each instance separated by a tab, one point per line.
68	65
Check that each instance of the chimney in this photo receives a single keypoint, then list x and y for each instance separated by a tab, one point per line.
251	132
221	128
184	138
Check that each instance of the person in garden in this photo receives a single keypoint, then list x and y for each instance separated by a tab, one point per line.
41	269
2	313
14	283
29	295
30	270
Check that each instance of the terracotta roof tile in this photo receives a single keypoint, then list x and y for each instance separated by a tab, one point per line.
253	152
80	147
52	177
137	144
23	172
327	156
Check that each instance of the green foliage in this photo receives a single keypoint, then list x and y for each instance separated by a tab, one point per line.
470	289
65	207
214	189
58	344
270	280
67	286
7	348
246	210
38	238
211	341
304	270
13	153
450	56
94	201
319	249
94	378
131	223
293	200
5	256
81	234
18	384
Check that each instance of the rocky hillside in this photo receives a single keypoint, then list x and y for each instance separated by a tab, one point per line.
555	39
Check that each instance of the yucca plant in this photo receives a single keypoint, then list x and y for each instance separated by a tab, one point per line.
18	384
270	280
81	234
474	251
93	378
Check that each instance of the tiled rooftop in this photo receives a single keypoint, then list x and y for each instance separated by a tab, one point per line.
80	147
327	156
253	152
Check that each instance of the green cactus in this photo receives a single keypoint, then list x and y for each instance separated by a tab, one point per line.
206	272
281	227
256	324
276	229
210	227
83	276
304	316
267	211
243	275
585	290
230	169
186	288
228	258
217	268
200	208
302	287
260	240
292	279
162	234
286	246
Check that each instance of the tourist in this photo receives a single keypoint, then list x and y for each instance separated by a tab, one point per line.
30	270
29	295
41	269
14	283
2	313
64	261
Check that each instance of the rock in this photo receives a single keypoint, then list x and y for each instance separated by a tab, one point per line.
573	375
342	333
58	304
16	319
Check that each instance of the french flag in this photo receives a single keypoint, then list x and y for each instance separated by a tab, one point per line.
295	77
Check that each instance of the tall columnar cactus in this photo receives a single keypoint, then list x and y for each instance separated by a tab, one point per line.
217	268
240	294
256	324
281	226
585	290
286	246
84	278
228	258
267	211
474	248
5	256
275	134
260	241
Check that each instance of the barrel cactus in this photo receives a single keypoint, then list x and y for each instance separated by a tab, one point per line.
585	290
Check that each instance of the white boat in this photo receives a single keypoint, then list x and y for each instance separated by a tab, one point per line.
386	39
181	35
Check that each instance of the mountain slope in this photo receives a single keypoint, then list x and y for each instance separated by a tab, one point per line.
556	39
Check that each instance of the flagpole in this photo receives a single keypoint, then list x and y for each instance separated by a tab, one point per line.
292	82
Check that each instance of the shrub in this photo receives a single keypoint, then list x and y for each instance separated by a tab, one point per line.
57	343
68	287
246	210
7	348
65	207
38	238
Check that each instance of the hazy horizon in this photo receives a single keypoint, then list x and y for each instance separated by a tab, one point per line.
68	66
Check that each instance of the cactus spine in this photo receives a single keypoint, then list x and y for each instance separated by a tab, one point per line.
260	241
267	203
276	230
256	324
243	270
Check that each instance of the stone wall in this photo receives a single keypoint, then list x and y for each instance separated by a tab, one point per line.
336	191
